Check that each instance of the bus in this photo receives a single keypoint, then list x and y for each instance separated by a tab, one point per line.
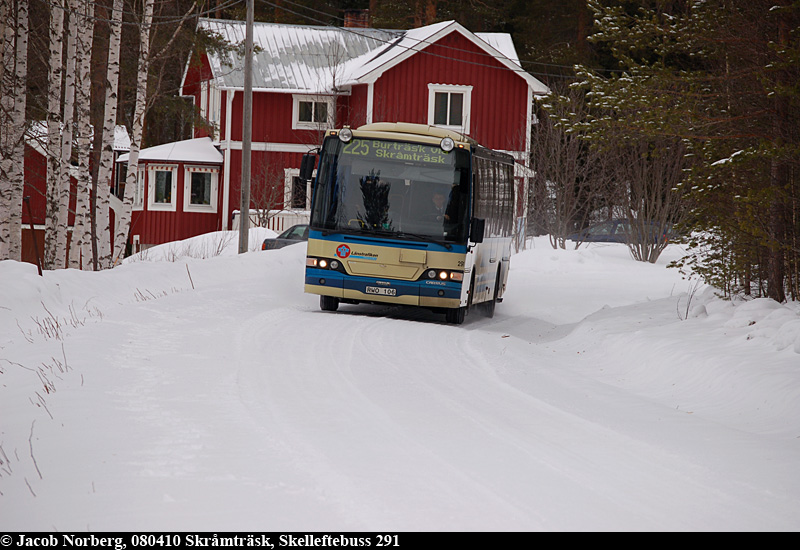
409	214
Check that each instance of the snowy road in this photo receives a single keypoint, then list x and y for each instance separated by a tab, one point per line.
238	405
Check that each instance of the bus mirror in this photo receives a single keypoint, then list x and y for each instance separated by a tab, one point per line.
476	230
307	166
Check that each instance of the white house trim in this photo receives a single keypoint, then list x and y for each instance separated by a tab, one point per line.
204	99
409	45
226	177
370	101
137	201
272	147
214	107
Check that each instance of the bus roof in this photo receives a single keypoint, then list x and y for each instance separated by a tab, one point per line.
425	133
416	131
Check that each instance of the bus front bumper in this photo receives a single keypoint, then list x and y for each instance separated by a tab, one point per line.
431	294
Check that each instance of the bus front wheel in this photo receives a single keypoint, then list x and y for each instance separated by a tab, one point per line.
455	316
328	303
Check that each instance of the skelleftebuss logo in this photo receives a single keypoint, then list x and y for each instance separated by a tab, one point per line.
343	251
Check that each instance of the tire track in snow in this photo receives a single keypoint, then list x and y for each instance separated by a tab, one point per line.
365	422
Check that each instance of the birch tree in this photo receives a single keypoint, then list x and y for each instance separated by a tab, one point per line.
124	224
7	36
80	246
101	234
57	200
5	11
13	76
67	132
18	122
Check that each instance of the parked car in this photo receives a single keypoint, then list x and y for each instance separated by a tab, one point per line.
293	235
619	231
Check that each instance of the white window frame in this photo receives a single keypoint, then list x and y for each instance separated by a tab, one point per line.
288	178
187	189
297	124
151	187
121	180
466	91
204	99
137	201
214	105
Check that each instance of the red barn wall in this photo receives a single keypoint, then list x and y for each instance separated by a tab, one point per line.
499	95
36	189
353	112
35	186
223	116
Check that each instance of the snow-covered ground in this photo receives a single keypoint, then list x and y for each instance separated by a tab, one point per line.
211	393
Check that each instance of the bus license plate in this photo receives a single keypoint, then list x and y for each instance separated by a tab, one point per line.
381	291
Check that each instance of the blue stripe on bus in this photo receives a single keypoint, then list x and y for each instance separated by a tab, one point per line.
451	290
334	279
391	243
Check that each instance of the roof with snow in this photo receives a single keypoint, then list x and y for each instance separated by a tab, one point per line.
36	137
309	59
189	150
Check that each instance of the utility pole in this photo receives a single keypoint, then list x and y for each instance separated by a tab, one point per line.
247	132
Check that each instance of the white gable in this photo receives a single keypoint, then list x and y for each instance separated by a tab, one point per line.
189	150
500	46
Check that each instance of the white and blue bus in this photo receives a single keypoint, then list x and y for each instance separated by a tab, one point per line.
409	214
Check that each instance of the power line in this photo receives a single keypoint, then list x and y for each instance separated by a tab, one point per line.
279	6
353	30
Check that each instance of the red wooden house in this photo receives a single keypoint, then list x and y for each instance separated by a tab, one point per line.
307	79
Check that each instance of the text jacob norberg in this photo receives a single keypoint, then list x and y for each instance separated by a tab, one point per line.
76	541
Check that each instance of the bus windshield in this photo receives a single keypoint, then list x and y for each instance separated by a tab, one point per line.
392	188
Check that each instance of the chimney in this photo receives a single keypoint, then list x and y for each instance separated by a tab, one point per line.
356	19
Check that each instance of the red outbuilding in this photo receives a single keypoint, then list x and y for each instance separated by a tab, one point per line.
177	194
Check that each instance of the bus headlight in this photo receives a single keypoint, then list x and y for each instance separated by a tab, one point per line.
323	263
345	135
447	144
444	275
